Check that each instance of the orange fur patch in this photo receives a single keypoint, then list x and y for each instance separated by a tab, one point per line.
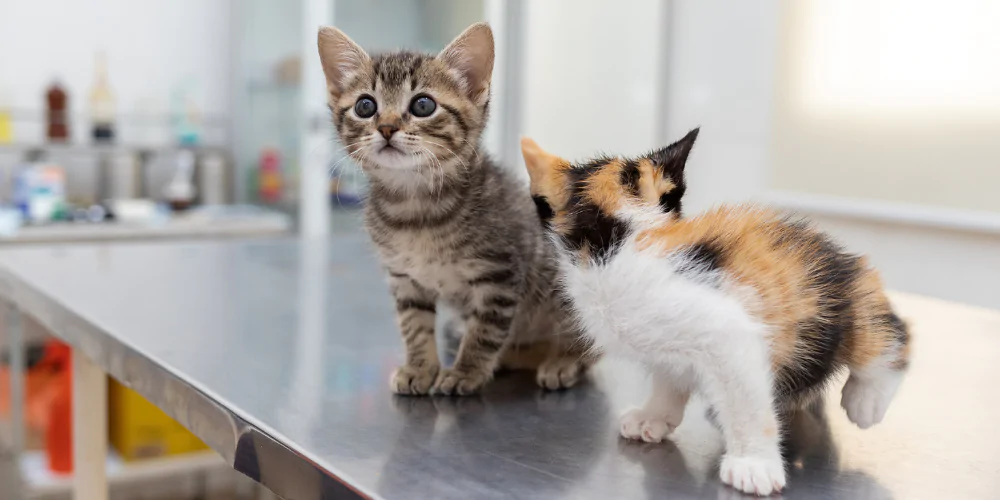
652	183
604	187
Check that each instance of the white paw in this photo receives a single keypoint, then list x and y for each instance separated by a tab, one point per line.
753	475
640	425
866	400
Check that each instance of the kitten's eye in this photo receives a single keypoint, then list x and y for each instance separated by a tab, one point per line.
422	107
365	107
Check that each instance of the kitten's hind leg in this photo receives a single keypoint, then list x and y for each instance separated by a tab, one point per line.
662	413
878	362
869	390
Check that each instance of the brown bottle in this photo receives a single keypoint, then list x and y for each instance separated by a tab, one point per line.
57	115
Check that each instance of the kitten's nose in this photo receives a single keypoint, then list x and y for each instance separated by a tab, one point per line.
387	130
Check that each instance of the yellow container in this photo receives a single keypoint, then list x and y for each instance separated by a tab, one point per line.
138	429
6	128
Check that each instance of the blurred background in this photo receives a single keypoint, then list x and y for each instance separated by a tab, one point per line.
126	120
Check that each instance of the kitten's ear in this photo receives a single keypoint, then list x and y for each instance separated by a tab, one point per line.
538	161
673	157
662	181
341	58
471	57
547	172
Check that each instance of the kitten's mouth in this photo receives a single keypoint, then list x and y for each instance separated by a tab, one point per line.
389	149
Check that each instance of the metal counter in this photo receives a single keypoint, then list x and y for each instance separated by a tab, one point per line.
277	354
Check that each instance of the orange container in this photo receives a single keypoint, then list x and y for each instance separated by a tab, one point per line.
59	432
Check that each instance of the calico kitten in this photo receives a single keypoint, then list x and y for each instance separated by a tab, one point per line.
748	308
448	224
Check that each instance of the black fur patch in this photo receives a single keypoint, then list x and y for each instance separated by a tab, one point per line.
600	233
833	273
702	257
671	200
630	177
545	212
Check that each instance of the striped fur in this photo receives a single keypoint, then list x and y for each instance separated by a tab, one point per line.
749	307
451	227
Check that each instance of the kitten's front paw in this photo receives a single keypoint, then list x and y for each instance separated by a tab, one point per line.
641	425
755	475
412	381
459	383
559	373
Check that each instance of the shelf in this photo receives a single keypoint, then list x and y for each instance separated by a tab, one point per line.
39	481
102	148
214	222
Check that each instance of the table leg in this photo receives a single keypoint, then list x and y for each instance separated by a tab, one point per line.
90	429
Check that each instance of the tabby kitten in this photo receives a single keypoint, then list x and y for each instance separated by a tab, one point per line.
449	224
748	308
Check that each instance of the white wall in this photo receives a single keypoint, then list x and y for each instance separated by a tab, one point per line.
722	78
892	100
151	46
592	84
590	76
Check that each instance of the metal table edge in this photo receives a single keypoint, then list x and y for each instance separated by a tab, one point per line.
247	447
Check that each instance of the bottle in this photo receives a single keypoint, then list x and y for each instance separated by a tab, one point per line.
57	113
186	116
180	192
102	104
269	178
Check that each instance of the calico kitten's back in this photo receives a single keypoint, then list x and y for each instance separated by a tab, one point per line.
826	308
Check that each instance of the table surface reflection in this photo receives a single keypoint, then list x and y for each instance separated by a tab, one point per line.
293	342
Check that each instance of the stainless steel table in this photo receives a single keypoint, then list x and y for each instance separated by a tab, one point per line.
277	353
